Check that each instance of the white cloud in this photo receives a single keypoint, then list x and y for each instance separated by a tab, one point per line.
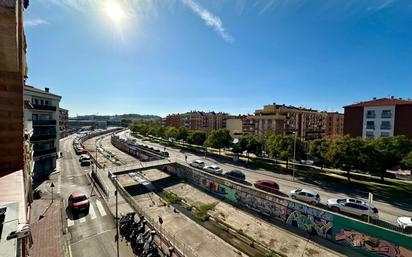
35	22
210	19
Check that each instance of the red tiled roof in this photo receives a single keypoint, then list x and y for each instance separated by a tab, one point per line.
381	102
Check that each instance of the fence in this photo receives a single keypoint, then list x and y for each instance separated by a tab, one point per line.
182	249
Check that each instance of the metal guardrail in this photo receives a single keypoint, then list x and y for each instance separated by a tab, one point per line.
181	248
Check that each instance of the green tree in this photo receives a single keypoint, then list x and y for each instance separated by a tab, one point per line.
393	150
182	133
171	132
197	137
345	153
218	139
125	122
251	144
318	149
283	147
406	162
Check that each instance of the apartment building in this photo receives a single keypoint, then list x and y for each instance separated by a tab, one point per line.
379	117
63	122
197	120
309	124
334	124
12	76
45	139
239	126
15	147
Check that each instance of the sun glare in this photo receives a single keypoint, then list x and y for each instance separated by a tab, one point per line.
114	10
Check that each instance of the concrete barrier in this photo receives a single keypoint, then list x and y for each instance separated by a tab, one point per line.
366	238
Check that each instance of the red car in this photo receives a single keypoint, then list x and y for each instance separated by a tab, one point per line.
267	185
79	201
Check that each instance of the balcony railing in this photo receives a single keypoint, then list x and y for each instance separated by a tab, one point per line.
38	137
44	152
370	116
370	126
44	122
385	127
44	107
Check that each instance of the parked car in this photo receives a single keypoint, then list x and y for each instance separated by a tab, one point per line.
84	157
305	195
198	164
354	206
405	223
79	201
267	185
236	175
213	169
85	162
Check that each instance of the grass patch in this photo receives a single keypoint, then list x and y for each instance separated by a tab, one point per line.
171	198
202	211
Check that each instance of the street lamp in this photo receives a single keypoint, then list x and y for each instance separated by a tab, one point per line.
114	177
294	155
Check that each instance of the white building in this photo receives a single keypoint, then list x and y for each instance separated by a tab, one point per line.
44	115
378	121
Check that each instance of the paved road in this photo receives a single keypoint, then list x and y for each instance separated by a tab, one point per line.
90	235
387	212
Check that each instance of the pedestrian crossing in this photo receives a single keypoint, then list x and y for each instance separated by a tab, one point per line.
96	209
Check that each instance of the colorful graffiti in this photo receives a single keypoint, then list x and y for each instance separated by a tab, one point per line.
310	224
371	244
305	209
269	208
219	189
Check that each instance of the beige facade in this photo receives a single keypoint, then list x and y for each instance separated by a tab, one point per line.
196	120
286	120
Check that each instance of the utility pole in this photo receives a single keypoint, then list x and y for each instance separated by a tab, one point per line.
294	156
52	186
117	215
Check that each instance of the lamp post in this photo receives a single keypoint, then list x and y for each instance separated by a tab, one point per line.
294	156
114	177
52	186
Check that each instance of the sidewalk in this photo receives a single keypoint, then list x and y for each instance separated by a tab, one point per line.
46	229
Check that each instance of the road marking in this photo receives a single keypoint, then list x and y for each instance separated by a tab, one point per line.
70	222
91	212
83	219
59	183
100	207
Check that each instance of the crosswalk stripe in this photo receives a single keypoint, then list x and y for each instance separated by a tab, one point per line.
70	222
100	207
92	214
83	219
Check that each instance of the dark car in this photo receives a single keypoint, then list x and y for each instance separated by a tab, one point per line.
79	201
236	175
85	162
267	185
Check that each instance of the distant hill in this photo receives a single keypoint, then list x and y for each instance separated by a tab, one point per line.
130	116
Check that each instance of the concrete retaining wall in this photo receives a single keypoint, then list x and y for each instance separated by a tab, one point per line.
367	238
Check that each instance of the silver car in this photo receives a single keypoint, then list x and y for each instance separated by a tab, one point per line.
305	195
354	206
198	164
213	169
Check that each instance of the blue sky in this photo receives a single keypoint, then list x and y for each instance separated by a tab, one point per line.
166	56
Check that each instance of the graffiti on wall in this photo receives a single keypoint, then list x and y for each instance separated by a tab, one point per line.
371	244
219	189
269	208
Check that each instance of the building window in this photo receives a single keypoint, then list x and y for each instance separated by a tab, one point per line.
386	114
370	114
369	134
386	125
385	134
370	125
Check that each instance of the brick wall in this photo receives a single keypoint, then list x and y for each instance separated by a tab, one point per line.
353	121
403	120
11	122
